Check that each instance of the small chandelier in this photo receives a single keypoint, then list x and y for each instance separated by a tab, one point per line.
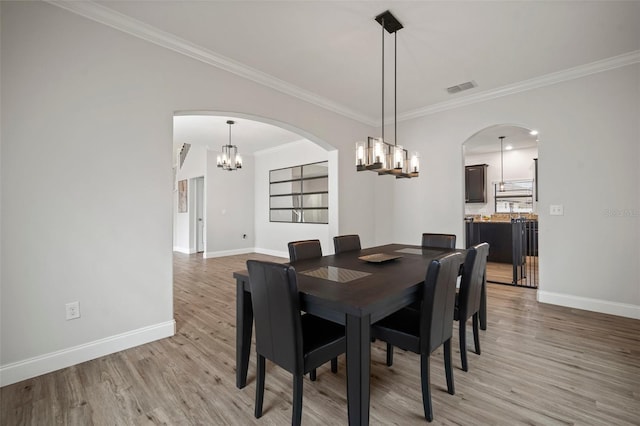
376	154
229	159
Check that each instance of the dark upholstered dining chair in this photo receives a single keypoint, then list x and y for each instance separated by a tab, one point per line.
423	331
445	241
439	240
297	342
468	298
304	249
343	243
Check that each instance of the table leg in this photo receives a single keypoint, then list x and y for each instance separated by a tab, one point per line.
358	335
244	328
483	303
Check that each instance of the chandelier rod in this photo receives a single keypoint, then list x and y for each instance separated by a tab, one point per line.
501	163
382	25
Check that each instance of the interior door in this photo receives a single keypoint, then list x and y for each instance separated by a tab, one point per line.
200	220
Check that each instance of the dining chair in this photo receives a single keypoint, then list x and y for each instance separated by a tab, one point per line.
439	240
343	243
468	298
423	331
445	241
304	249
297	342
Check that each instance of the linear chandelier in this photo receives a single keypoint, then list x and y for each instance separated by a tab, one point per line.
229	159
376	154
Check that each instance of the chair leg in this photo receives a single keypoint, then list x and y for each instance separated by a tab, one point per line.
448	368
334	365
476	332
259	385
389	355
426	387
296	418
462	332
312	375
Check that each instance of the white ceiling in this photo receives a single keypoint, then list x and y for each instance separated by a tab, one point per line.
328	52
213	132
332	48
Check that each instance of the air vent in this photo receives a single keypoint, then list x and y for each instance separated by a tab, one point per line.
460	87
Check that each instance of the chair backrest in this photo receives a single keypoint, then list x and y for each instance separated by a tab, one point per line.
473	271
439	240
276	308
438	303
343	243
305	249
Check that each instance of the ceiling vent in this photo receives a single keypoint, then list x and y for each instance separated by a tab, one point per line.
462	86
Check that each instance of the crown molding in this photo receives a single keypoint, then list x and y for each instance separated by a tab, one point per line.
136	28
523	86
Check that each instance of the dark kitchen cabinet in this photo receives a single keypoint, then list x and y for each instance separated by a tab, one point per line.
475	183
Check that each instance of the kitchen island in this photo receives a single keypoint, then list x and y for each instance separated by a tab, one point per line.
508	240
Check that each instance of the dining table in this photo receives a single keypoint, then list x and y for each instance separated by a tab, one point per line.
356	289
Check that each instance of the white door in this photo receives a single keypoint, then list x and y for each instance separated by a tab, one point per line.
200	222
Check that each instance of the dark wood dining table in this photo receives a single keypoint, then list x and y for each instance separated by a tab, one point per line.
353	292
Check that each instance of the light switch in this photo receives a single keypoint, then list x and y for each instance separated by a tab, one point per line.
556	210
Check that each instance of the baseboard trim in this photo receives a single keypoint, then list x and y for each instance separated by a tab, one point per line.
36	366
222	253
184	250
275	253
588	304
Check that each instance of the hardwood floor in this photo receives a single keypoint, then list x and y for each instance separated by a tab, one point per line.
502	273
540	364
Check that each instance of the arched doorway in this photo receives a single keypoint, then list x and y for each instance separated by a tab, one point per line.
501	201
235	216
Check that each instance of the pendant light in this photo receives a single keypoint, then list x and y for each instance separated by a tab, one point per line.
376	154
501	184
229	158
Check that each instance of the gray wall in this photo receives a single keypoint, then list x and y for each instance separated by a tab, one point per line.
588	161
87	182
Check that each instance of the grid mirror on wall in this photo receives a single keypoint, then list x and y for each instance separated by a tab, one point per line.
300	194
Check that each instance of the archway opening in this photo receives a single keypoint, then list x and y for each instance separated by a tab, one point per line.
501	201
235	217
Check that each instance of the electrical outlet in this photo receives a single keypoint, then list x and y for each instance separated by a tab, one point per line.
556	210
73	310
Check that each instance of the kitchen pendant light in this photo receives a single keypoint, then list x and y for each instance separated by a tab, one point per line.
229	158
376	154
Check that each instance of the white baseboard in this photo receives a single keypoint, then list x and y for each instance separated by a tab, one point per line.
595	305
222	253
272	252
36	366
184	250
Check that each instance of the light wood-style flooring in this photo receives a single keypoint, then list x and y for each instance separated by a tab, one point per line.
540	365
502	273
